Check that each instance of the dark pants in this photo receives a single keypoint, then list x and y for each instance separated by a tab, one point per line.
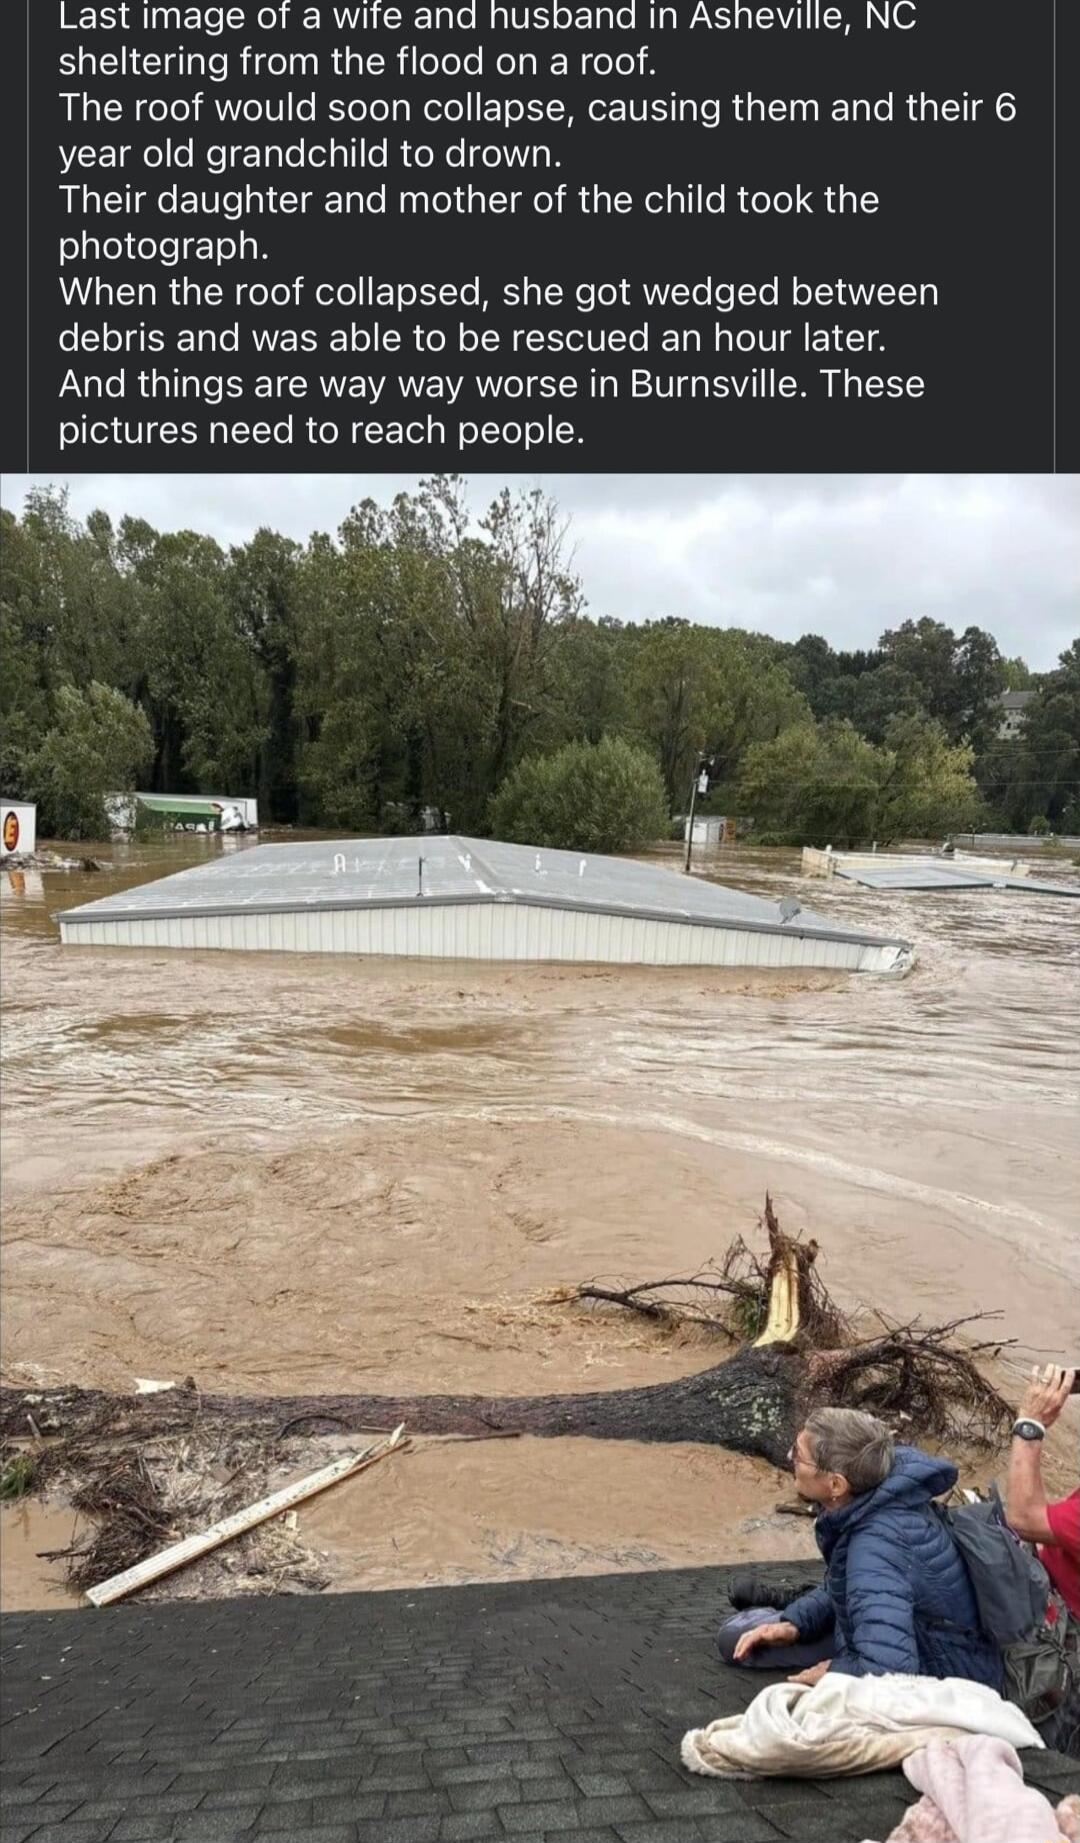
798	1656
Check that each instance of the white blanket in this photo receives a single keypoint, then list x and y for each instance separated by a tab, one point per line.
848	1724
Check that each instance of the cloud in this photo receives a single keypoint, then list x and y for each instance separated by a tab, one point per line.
843	555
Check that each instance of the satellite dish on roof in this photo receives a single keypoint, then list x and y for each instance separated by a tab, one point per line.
789	908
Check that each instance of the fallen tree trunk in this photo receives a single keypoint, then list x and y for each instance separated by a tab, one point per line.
750	1404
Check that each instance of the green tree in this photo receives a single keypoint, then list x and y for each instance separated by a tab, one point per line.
261	588
27	686
439	635
1049	748
201	684
363	649
587	691
414	659
813	669
705	690
674	688
507	587
814	784
928	788
605	796
876	698
98	744
1018	675
866	688
959	680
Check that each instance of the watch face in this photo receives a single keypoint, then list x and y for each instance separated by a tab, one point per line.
1028	1430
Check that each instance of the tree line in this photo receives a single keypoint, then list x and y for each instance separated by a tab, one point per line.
420	665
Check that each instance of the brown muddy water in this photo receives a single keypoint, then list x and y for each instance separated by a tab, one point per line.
288	1173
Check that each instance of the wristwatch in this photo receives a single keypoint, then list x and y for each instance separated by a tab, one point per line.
1025	1429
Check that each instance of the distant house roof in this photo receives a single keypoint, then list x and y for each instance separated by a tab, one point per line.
1015	700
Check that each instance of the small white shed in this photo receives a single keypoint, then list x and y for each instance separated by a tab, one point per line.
709	831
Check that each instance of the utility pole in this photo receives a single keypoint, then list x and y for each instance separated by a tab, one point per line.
699	785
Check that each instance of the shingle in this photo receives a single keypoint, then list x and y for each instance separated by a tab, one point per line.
464	1826
556	1816
142	1829
74	1832
661	1830
600	1784
566	1702
706	1800
296	1817
730	1827
209	1826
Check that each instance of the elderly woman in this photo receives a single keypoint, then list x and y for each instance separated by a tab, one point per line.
897	1597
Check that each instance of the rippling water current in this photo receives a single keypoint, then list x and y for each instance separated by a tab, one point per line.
290	1172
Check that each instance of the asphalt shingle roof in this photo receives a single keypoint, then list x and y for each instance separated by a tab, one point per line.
543	1711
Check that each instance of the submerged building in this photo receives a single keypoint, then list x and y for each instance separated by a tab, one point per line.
471	899
886	870
184	812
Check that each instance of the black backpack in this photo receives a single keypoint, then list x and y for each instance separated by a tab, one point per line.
1018	1608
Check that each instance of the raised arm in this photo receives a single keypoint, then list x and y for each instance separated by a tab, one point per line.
1025	1493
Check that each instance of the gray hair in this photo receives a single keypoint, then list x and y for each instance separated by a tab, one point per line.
856	1445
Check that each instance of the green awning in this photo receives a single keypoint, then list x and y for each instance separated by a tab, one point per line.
180	809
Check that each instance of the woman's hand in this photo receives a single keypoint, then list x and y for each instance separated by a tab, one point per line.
781	1632
813	1675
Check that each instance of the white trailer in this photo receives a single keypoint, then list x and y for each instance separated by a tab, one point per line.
223	812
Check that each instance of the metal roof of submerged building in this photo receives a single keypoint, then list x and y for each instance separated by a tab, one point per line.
946	876
408	876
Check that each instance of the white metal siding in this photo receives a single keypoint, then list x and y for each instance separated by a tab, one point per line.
486	931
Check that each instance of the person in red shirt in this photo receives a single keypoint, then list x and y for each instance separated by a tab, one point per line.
1053	1524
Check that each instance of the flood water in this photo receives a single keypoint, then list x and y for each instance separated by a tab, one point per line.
282	1173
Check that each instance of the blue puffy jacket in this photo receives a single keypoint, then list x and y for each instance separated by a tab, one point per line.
895	1582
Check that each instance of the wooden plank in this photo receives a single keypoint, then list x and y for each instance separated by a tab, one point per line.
192	1547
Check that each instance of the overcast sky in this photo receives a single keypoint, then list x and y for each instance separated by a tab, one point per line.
844	555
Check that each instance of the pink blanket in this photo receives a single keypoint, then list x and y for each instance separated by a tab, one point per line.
974	1792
